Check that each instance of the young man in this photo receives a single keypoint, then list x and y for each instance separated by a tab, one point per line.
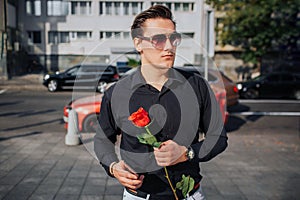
181	105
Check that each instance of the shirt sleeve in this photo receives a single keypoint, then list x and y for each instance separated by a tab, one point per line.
211	124
106	136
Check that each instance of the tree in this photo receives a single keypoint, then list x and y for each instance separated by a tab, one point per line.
259	26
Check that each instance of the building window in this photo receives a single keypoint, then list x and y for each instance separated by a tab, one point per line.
101	35
81	7
178	7
33	7
126	35
55	37
34	37
120	8
117	35
81	35
57	8
126	8
108	34
117	8
108	6
189	35
169	5
114	34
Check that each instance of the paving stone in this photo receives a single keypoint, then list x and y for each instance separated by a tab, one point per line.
66	197
94	190
41	197
113	197
90	197
47	189
253	167
70	189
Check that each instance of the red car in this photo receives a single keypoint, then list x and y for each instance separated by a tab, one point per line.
88	108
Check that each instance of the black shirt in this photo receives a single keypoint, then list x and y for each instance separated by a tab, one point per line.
184	108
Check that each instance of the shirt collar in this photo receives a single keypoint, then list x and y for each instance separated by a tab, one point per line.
174	77
137	79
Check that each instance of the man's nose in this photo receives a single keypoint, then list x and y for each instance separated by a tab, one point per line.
168	44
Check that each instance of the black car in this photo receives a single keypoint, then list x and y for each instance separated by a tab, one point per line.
91	76
123	69
273	85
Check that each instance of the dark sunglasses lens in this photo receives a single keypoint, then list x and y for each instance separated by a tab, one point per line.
159	41
175	39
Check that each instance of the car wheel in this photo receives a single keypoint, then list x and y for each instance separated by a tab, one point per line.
101	86
251	94
52	85
297	94
90	124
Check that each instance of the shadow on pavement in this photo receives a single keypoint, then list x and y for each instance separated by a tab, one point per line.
18	136
236	120
34	125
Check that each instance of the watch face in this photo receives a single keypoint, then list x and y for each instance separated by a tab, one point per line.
191	153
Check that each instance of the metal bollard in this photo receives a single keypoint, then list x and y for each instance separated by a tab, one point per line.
72	138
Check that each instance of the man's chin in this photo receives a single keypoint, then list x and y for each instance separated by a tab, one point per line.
165	65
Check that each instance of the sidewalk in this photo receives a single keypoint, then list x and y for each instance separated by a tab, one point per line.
41	166
27	82
38	165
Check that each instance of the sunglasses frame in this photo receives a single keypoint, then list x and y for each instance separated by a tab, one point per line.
167	36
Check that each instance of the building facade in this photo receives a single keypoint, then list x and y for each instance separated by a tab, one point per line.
60	33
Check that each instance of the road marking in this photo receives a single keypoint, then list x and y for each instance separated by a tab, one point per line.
2	91
267	113
267	101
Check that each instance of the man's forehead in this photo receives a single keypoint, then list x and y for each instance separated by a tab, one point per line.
148	31
158	26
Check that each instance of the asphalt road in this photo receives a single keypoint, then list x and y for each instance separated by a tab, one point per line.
37	111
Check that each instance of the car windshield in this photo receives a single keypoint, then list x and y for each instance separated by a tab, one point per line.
72	70
258	78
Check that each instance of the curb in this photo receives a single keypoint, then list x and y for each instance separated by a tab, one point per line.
25	82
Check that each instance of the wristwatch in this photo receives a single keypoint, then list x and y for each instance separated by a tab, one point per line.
190	154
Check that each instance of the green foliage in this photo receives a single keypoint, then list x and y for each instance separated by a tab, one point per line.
258	26
133	62
185	185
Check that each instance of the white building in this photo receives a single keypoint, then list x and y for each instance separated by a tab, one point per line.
61	33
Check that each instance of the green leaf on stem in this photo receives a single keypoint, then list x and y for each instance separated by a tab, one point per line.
185	185
148	139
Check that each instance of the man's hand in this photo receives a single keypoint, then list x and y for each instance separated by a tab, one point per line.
126	176
170	153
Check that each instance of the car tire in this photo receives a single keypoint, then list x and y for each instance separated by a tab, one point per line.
101	86
90	123
52	85
297	94
251	94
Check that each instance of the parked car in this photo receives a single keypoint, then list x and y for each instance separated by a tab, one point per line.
86	76
88	108
232	92
123	69
273	85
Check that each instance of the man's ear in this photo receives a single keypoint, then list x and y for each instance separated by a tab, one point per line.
137	44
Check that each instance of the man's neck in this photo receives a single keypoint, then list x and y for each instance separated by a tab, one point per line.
155	76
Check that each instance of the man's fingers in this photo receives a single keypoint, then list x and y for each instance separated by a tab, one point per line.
129	168
127	176
132	184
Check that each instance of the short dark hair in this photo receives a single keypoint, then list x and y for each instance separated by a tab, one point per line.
156	11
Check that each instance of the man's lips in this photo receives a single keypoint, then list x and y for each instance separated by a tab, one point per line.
168	56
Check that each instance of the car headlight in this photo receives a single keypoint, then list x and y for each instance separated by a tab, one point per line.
239	86
47	76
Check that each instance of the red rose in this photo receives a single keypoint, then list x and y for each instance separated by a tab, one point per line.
140	118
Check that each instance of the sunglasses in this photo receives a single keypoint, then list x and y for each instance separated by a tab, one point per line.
159	41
